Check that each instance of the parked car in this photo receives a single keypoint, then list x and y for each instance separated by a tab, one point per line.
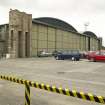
44	54
90	53
72	54
54	53
97	56
83	54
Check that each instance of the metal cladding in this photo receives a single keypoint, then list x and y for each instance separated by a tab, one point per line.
60	90
56	23
90	34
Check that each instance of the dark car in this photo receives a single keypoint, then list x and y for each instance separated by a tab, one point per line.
72	54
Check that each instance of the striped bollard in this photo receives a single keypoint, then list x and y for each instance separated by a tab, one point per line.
27	93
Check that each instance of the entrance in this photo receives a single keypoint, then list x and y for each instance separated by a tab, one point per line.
88	43
19	44
27	44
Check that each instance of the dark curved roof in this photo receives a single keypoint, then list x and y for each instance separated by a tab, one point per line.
89	33
56	22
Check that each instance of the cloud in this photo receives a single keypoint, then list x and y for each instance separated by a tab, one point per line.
75	12
67	6
18	3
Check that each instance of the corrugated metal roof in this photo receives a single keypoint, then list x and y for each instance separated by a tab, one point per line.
90	34
55	23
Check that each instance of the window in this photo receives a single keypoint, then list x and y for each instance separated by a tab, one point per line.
103	53
97	53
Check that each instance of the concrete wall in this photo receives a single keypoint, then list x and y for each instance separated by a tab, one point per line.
20	25
4	32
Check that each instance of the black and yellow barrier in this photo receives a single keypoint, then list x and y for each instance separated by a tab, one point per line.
73	93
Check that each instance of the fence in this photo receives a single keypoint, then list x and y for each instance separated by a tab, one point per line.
60	90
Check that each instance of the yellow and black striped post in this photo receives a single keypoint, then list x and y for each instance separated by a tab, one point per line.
27	93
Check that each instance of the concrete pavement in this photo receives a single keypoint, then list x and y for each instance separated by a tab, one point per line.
81	75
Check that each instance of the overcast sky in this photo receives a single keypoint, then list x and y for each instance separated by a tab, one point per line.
75	12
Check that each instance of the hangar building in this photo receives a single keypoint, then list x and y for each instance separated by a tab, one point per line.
26	37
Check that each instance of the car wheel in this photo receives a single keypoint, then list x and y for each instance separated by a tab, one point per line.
77	59
62	58
73	58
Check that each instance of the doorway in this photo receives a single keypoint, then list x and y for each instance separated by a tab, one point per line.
88	43
27	44
19	44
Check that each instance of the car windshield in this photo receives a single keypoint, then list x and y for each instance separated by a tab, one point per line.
103	53
65	52
97	53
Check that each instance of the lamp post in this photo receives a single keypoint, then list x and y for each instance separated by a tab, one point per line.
86	25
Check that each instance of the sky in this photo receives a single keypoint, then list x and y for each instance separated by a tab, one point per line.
75	12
